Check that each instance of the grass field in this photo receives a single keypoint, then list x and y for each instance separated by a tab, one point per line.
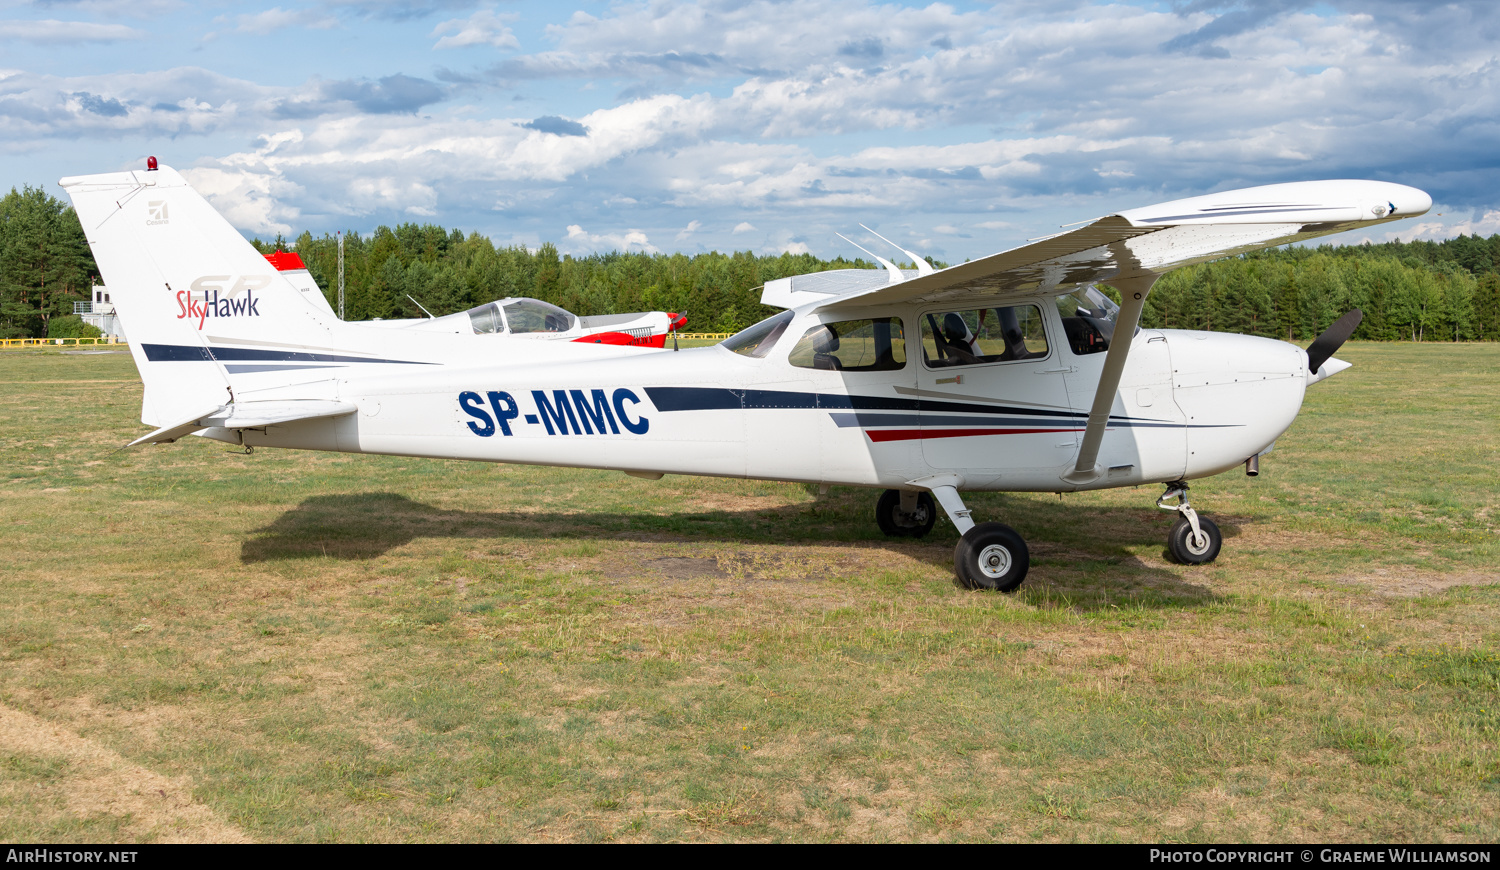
199	644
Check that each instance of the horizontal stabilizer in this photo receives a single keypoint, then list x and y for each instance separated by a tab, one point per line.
168	434
249	415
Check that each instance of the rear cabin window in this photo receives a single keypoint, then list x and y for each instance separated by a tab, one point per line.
757	340
877	345
983	335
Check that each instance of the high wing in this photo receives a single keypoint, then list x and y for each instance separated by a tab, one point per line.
1133	244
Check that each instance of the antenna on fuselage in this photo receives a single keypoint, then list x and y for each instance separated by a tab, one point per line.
419	305
923	267
896	276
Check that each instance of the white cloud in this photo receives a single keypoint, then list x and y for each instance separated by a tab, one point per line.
276	18
484	27
1437	225
53	31
630	240
248	200
711	38
140	9
713	118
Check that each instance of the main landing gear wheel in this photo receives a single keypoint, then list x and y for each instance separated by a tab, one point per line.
899	523
991	556
1188	550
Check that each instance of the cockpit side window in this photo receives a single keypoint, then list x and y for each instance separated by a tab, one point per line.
486	319
877	345
757	340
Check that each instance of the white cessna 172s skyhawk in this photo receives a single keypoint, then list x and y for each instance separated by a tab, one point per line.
1007	373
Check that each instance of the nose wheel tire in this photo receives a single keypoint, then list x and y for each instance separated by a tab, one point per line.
898	523
1187	551
991	556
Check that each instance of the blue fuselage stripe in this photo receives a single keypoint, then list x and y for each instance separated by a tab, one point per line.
188	353
722	399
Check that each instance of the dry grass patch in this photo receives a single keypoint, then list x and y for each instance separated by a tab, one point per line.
78	790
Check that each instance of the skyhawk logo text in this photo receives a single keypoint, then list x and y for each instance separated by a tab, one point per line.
209	298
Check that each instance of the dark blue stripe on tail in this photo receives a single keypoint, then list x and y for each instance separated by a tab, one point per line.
188	353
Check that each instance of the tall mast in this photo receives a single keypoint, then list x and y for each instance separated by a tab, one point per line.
341	275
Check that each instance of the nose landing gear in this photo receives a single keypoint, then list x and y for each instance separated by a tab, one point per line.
1194	540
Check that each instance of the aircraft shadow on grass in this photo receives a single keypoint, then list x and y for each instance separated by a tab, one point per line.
359	526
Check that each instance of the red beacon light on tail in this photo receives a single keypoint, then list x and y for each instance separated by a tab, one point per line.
150	164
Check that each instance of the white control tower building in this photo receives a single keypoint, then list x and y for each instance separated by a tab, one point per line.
100	312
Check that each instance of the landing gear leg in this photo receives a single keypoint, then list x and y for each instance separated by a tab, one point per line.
1194	540
989	555
905	513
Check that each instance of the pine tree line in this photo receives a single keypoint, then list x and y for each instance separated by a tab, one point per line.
1295	293
1418	291
45	263
448	271
1414	291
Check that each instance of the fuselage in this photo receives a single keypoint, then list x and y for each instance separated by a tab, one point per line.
1190	404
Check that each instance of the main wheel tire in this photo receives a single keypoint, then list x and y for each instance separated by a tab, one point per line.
899	524
1185	550
991	556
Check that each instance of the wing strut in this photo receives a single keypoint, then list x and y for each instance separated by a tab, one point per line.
1133	291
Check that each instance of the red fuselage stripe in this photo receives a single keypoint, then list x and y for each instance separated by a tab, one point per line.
879	435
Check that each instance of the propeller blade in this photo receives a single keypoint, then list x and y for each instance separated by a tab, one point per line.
1332	339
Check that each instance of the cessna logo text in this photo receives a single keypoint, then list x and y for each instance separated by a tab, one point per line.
221	296
156	212
559	412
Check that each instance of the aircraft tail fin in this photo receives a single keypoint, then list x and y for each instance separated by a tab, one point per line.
185	285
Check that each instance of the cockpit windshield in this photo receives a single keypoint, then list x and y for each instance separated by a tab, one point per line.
1088	318
1089	302
534	315
758	340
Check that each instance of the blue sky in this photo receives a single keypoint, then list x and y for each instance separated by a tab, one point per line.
957	129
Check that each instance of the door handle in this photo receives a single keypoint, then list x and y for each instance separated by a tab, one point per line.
1063	371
